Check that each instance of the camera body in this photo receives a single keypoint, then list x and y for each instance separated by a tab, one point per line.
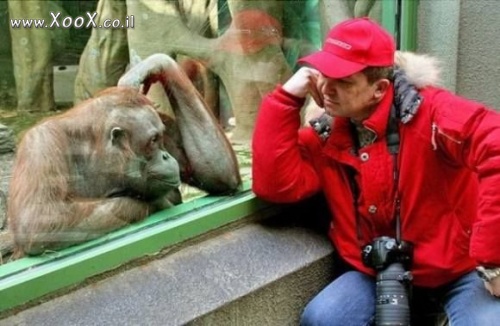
384	251
391	260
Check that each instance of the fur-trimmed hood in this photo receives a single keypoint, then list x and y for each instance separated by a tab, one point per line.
421	70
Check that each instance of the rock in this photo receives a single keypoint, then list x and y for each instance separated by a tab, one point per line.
6	161
3	209
7	139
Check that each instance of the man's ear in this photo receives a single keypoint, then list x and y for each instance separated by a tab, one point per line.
381	86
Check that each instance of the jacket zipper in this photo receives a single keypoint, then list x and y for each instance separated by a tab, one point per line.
435	131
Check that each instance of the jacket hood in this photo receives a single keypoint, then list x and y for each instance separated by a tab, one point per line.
421	70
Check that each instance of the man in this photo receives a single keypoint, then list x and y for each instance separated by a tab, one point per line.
421	167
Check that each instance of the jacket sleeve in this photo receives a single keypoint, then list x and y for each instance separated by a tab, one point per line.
282	170
470	134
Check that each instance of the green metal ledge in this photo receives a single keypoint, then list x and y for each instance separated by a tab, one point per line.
29	278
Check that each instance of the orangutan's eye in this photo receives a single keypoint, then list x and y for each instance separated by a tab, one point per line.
154	139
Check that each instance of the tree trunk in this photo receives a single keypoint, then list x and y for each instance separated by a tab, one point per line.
32	57
333	12
105	57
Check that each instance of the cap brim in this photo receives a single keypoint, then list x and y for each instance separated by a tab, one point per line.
330	65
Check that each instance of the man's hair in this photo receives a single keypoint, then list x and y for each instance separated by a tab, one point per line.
376	73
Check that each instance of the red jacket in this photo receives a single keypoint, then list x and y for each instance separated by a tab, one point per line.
449	165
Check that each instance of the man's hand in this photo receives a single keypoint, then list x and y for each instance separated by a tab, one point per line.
305	81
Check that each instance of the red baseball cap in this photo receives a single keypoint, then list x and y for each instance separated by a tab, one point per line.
351	46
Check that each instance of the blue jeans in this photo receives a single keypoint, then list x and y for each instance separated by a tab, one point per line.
350	301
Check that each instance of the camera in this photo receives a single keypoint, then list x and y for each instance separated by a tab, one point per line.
392	260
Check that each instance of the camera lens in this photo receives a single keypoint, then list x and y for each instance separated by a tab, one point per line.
392	305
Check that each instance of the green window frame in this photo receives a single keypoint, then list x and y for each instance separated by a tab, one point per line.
29	278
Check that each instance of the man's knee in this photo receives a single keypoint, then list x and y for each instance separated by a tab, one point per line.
313	316
317	314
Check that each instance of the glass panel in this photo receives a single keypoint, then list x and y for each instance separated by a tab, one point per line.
55	55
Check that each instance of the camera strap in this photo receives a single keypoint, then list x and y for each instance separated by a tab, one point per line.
393	145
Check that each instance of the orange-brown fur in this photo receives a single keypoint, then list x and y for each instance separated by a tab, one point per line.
103	164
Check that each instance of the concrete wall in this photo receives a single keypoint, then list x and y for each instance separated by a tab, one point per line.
462	33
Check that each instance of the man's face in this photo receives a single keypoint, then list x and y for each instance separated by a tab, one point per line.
349	97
